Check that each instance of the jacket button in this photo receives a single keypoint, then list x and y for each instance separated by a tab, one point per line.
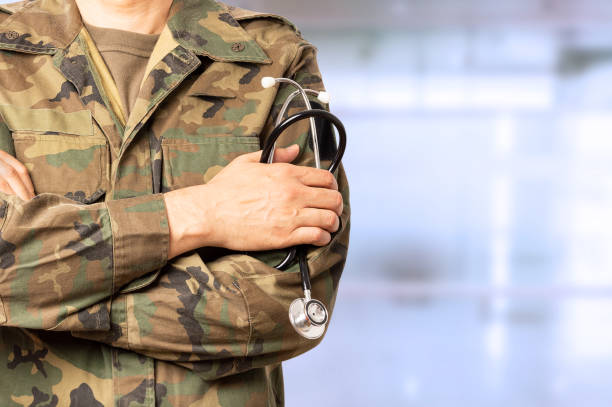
238	47
12	35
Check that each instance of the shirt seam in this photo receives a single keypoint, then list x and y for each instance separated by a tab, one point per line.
137	52
113	248
248	312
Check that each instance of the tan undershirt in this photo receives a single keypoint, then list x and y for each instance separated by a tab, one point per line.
126	55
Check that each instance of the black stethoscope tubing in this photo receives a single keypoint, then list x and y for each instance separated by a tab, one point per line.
300	251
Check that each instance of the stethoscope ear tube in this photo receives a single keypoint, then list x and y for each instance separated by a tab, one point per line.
307	114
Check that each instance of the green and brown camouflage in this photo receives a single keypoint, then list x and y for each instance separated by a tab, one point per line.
92	312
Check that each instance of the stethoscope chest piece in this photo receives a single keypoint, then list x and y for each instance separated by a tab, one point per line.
308	317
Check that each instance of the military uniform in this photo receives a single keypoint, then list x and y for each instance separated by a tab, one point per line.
92	312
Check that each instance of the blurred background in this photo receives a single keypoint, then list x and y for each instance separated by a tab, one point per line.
480	162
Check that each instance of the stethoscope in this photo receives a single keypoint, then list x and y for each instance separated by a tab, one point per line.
308	316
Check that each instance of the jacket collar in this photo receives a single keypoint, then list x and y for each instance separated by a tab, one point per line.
202	26
41	27
207	28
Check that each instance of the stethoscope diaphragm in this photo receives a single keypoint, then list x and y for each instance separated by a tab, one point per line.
308	317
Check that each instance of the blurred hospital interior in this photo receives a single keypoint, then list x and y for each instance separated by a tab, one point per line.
480	163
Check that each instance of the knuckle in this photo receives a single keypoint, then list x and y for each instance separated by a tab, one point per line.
285	170
330	219
291	193
329	179
317	235
339	200
336	226
11	172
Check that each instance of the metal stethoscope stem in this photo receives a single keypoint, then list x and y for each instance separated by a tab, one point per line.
308	316
313	128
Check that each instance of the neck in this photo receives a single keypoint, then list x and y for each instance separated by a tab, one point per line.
141	16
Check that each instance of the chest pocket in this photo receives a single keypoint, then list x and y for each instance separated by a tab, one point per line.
60	151
195	159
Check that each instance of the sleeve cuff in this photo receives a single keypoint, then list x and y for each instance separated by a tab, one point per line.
140	237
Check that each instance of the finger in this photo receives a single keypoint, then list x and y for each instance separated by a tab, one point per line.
322	198
314	177
22	171
6	188
11	178
321	218
281	155
309	235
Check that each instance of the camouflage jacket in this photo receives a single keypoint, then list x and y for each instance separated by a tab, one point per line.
92	312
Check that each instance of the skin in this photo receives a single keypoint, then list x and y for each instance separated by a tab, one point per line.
248	206
141	16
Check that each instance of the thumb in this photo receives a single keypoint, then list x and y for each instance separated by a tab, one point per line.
281	155
286	155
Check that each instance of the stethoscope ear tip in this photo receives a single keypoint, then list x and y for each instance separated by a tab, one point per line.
324	97
268	82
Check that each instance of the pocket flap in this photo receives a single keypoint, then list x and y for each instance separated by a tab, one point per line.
47	120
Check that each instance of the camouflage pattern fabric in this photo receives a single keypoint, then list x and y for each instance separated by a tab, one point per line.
92	313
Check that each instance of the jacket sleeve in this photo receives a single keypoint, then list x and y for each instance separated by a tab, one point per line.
229	315
61	261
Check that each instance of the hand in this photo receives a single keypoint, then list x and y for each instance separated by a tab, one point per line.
14	177
251	206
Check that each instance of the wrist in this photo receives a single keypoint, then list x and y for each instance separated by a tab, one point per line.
188	220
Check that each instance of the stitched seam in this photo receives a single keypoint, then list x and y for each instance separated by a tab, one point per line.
114	243
132	52
230	58
127	325
248	310
71	139
148	281
102	176
170	179
206	139
28	50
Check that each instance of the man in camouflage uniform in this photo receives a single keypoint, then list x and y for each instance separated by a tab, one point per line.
119	286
